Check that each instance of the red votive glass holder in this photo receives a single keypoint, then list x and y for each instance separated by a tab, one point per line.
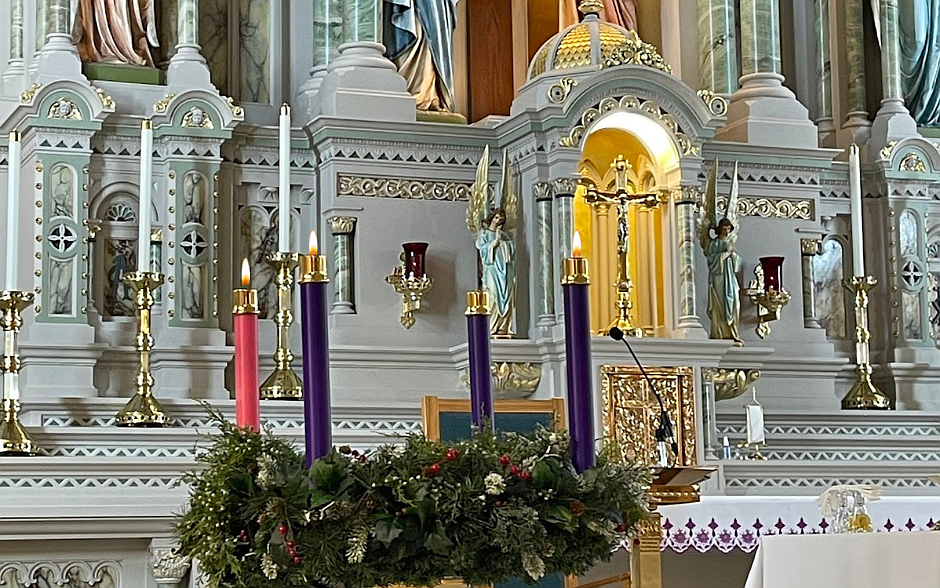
414	259
773	273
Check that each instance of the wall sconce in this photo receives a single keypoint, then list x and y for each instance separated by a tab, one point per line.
411	280
767	293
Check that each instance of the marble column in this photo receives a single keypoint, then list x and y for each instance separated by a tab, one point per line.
342	229
59	57
542	192
809	248
717	46
857	125
823	74
362	21
687	198
188	68
12	75
564	189
893	121
763	111
328	34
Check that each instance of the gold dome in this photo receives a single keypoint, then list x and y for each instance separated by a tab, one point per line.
593	42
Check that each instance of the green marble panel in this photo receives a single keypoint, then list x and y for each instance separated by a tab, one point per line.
855	57
362	21
213	39
760	36
327	30
255	41
717	46
16	30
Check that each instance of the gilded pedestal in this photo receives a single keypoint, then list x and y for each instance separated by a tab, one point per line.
143	410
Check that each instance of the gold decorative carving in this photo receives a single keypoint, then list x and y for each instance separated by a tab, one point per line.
197	118
732	383
404	189
342	225
512	380
772	207
631	412
558	93
28	95
888	149
634	51
912	163
716	103
237	111
810	246
106	100
161	105
64	108
631	103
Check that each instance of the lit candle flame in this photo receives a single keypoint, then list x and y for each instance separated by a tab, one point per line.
576	245
246	273
313	243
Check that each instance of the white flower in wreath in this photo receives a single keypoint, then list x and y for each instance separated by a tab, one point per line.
494	484
533	565
268	567
265	471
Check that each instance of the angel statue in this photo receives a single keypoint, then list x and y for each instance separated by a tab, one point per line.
724	302
489	225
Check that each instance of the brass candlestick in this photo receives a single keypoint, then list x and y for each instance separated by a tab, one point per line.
283	383
864	395
143	410
14	438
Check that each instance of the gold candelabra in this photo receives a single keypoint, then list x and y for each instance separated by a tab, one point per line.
283	383
412	289
14	438
864	395
143	410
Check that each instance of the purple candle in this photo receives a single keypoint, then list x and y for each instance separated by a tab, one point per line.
575	284
318	419
478	338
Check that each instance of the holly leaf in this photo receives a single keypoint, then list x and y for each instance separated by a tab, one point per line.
438	543
559	515
386	531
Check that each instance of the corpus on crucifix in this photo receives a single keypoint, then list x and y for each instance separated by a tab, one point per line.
621	197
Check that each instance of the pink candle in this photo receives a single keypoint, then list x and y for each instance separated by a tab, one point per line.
247	395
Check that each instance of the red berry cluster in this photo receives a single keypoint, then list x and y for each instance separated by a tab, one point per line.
243	536
292	552
452	454
433	470
514	470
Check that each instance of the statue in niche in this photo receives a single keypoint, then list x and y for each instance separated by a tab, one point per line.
489	225
419	37
724	263
618	12
193	198
115	31
119	297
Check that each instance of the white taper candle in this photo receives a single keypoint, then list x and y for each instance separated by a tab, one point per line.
855	197
146	196
13	210
283	185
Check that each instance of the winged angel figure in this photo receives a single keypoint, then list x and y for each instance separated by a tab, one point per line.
724	263
489	224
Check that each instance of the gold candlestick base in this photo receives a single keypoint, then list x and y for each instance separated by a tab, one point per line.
143	410
863	395
15	440
412	289
283	383
624	309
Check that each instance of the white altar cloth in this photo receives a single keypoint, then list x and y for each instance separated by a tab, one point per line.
849	560
727	523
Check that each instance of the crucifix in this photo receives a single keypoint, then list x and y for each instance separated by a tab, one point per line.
622	199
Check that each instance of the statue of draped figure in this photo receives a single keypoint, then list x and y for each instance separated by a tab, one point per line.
115	31
618	12
419	38
919	40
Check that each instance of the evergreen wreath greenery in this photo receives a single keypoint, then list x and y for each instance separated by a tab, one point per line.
484	510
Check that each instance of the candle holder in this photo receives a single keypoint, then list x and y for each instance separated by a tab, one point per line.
863	395
14	438
412	289
283	383
143	410
767	292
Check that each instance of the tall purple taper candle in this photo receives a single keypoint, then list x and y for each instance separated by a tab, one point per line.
575	284
478	343
318	418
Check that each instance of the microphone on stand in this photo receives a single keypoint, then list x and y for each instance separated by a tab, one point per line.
664	433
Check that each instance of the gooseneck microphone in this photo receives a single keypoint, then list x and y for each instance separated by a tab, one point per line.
664	432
